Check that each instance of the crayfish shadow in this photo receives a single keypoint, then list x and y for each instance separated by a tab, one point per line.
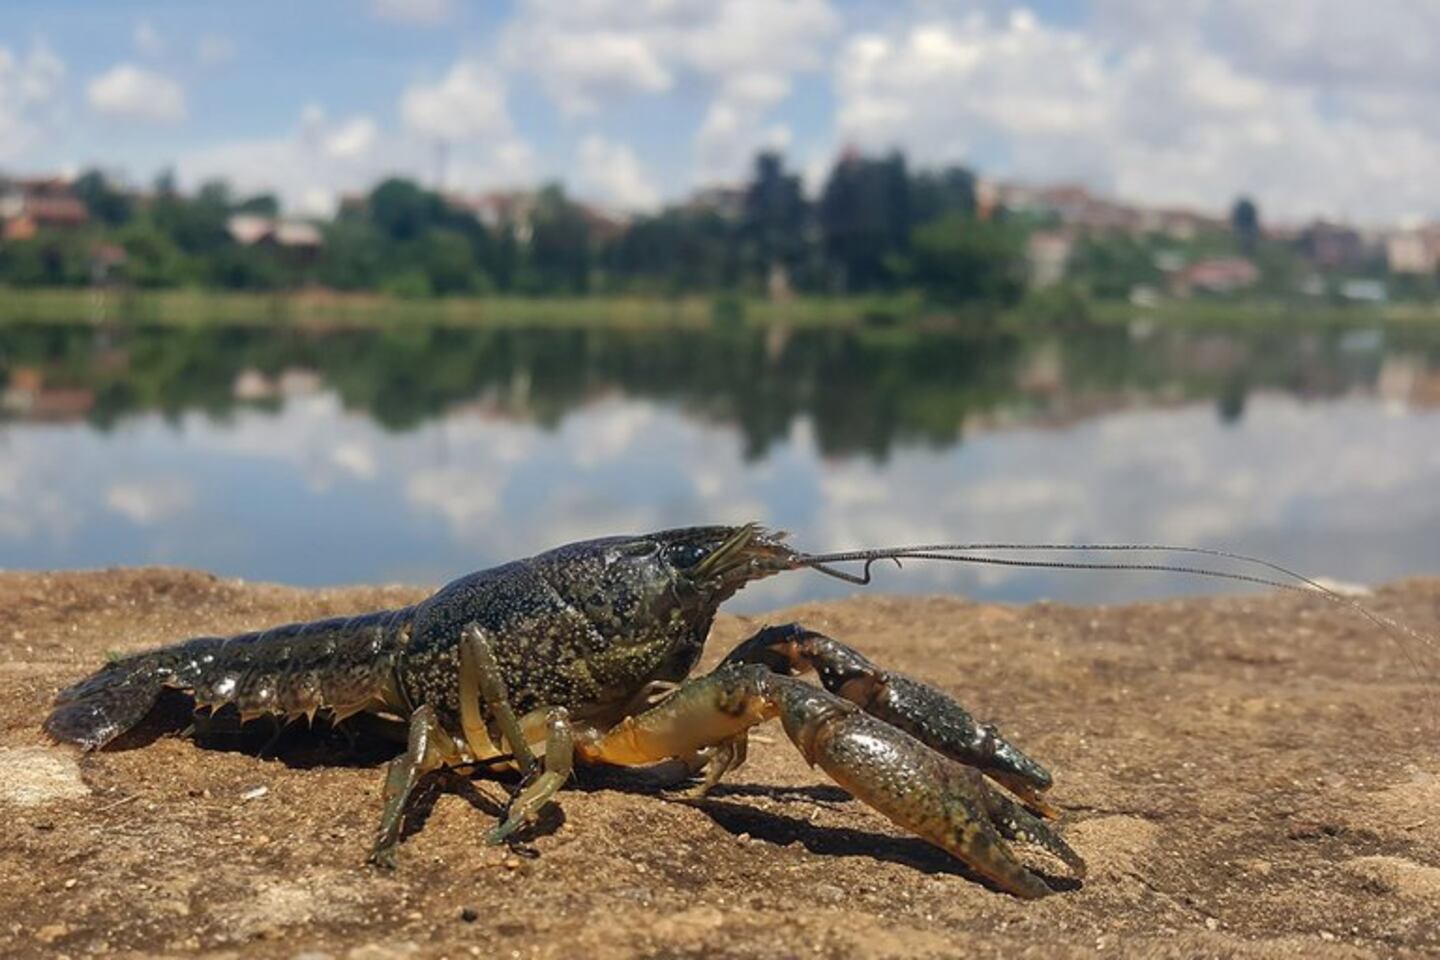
776	828
664	777
431	788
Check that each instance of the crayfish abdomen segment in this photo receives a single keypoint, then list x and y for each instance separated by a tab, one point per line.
341	665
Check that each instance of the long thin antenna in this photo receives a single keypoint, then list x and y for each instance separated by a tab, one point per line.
965	553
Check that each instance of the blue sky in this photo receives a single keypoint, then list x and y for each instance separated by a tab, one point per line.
1317	107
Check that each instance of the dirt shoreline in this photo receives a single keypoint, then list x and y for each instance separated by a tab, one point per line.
1247	776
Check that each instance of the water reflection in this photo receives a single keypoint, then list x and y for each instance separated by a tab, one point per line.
414	454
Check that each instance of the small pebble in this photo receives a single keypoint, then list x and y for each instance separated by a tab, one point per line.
512	863
52	932
70	884
254	793
469	914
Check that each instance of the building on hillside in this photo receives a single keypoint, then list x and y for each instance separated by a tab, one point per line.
726	202
1181	224
300	240
1070	205
27	396
352	206
1218	275
1364	290
107	260
517	209
48	203
1332	246
499	209
1414	251
605	225
1047	256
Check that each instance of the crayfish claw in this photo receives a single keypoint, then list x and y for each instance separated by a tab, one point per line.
947	803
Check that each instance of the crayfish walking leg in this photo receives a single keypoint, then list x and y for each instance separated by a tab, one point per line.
428	748
544	782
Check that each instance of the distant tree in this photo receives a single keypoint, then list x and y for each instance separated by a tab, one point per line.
248	268
958	260
505	261
1245	222
353	257
409	283
937	194
559	254
197	226
1111	265
102	200
864	216
214	194
46	260
402	209
165	185
774	219
152	259
675	251
449	262
261	204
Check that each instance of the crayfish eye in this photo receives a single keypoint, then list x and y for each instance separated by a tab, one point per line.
686	555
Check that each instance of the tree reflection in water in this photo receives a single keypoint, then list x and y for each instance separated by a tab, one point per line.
865	391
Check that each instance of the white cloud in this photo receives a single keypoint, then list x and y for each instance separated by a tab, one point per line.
136	93
150	501
356	458
310	166
353	138
467	104
468	110
744	53
419	13
582	71
147	40
729	137
466	504
29	86
1148	111
212	50
1329	42
612	172
305	167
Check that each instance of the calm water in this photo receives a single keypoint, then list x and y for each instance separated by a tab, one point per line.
418	455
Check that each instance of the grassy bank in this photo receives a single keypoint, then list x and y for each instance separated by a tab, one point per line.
332	310
1260	313
194	307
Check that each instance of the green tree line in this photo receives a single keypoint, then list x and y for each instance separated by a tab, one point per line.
877	226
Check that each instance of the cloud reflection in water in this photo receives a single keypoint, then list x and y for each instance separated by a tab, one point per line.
312	493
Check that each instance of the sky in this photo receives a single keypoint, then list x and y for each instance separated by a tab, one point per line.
1314	107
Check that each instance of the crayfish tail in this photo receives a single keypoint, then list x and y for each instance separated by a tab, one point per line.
105	704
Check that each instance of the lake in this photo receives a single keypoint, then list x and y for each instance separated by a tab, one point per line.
417	454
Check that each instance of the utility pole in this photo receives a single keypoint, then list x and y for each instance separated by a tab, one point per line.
442	162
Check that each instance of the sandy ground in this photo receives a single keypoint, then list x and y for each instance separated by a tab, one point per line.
1248	777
